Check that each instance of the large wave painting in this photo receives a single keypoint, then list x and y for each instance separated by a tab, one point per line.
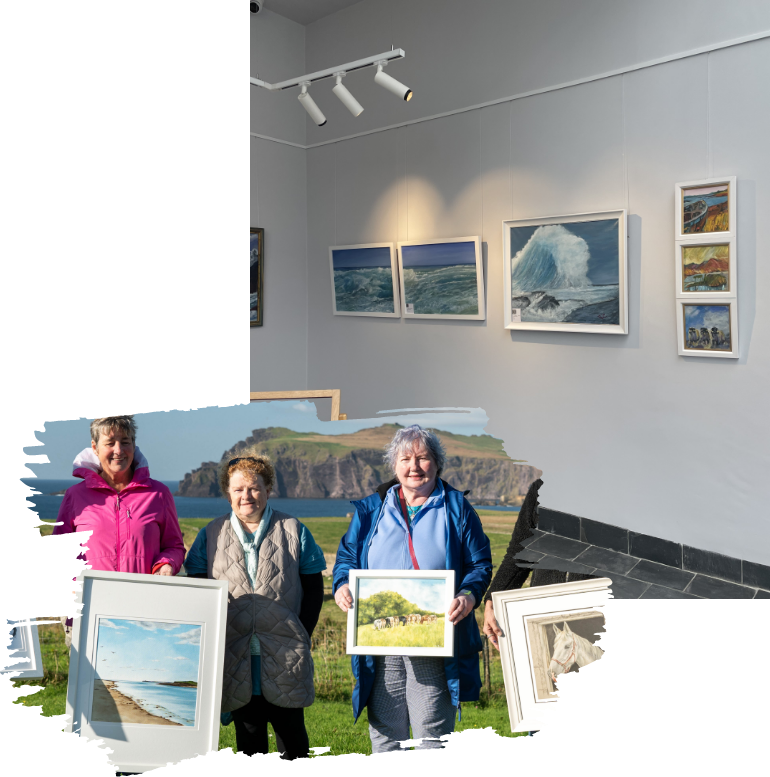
364	289
566	273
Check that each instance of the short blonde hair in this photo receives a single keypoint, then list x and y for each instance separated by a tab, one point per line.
250	463
124	424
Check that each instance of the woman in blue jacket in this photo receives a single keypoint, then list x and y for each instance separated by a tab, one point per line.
417	521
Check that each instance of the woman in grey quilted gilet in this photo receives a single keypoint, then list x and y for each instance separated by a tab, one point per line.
273	569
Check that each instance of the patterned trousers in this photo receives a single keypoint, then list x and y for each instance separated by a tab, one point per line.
409	691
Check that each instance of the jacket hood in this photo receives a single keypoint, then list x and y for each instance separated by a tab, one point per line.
87	461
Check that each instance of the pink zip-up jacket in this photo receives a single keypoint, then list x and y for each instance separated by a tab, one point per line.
136	530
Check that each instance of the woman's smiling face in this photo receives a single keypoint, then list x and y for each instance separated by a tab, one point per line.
248	496
115	451
416	469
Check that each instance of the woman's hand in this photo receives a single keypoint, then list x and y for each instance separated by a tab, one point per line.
491	627
166	569
343	598
460	606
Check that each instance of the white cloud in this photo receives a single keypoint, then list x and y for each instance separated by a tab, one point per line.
718	317
426	593
155	625
177	658
192	637
304	407
109	624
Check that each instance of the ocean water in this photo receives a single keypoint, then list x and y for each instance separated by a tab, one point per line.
167	701
442	290
569	300
709	200
364	290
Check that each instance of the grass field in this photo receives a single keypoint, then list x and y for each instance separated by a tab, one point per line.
428	635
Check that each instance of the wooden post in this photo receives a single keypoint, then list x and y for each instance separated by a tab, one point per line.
487	674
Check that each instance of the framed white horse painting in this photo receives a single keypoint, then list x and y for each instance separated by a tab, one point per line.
548	631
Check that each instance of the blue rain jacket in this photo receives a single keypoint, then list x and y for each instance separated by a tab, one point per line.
467	552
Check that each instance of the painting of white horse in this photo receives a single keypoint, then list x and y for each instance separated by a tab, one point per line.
570	649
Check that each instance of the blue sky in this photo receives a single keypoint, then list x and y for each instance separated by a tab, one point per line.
178	441
427	594
147	650
438	254
361	257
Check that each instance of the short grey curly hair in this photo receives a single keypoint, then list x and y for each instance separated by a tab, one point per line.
407	438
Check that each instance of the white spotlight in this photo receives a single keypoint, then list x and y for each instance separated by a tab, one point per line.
390	83
346	98
308	103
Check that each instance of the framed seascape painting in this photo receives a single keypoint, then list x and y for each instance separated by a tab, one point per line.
706	268
146	666
400	612
257	272
707	329
442	279
23	658
705	207
548	630
364	280
566	273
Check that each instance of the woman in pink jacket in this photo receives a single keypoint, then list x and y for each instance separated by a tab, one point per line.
132	517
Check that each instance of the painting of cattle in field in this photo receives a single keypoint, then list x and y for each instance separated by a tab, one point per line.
401	613
707	328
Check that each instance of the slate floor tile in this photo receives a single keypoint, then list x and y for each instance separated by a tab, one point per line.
536	535
712	588
659	592
529	556
563	565
661	575
563	547
762	594
620	563
623	587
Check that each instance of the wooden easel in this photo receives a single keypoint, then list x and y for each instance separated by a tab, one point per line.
322	394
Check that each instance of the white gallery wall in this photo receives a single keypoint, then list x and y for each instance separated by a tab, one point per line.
625	430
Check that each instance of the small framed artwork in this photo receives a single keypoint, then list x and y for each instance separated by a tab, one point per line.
705	207
146	666
442	279
547	631
256	275
566	273
24	651
706	268
364	280
707	328
400	612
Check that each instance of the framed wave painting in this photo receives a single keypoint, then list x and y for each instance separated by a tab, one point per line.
567	273
442	279
364	281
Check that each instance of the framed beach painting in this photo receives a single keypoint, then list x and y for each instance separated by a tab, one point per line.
705	207
364	280
566	273
706	328
256	274
23	658
706	268
146	666
442	279
400	612
548	630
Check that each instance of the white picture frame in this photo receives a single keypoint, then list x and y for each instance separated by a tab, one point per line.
434	588
363	259
526	616
690	190
711	312
24	651
138	718
593	255
419	265
686	254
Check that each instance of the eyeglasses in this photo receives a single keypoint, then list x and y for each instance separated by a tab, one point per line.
243	458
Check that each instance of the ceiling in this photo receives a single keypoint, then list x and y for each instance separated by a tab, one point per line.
307	11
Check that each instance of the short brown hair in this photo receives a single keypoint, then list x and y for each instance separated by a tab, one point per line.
124	424
250	463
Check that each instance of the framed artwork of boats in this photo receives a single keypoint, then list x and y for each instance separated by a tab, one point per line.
256	273
566	273
706	207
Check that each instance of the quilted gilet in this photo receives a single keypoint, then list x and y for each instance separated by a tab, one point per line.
270	610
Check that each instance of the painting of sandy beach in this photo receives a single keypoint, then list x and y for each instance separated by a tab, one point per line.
146	672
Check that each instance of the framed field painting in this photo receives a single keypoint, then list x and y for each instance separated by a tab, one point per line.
442	279
364	280
400	612
705	207
23	658
706	328
706	268
146	666
547	630
256	274
566	273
